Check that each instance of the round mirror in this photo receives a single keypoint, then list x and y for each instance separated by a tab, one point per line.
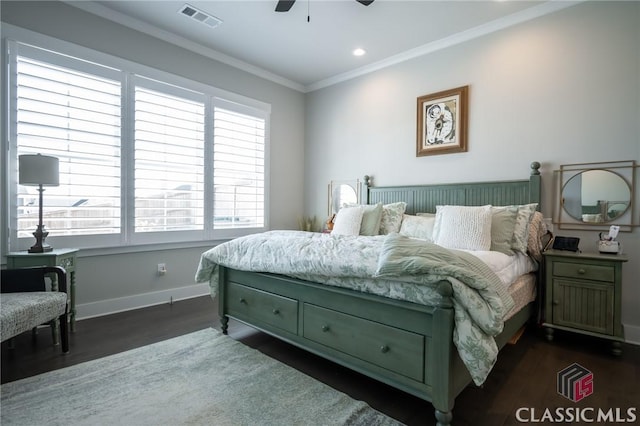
343	194
596	196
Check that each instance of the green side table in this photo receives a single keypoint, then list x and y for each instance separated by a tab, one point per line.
583	293
57	257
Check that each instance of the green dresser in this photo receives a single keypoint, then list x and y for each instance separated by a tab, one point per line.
65	257
583	293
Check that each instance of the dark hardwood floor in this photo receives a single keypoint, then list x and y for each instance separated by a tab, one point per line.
524	376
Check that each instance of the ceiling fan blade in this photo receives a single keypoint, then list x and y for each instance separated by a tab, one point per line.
365	2
284	5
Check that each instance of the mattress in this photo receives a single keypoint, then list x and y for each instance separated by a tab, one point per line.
523	292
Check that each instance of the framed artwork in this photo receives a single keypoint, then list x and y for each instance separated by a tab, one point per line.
442	122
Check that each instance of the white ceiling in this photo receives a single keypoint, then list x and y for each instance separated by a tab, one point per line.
303	55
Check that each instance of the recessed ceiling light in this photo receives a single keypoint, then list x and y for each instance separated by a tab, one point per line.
359	51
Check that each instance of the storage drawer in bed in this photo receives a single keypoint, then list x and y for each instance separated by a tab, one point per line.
249	303
396	350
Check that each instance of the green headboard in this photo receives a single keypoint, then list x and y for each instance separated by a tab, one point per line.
425	198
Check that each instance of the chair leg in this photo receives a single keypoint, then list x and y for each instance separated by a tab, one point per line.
34	335
64	333
55	332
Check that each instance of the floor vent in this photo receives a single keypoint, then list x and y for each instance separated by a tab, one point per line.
200	16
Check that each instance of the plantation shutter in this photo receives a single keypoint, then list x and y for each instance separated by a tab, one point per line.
145	157
169	161
238	168
73	114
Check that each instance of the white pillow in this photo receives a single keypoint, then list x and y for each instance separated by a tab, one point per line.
371	217
347	221
418	226
463	227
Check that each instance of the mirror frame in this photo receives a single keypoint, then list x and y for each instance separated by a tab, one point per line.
626	170
353	183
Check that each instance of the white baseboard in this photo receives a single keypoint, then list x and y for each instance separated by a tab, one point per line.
632	334
121	304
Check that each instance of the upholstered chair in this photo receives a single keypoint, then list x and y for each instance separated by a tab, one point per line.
25	302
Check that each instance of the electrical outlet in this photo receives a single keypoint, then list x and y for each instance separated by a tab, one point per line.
162	268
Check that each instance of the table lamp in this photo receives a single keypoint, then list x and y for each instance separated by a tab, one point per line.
39	170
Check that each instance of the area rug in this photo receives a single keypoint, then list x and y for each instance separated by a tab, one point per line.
202	378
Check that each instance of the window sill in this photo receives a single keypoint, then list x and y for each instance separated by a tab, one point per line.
108	251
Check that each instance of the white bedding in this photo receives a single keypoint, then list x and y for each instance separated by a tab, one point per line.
508	268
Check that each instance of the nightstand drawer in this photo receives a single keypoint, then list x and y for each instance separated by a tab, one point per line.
584	271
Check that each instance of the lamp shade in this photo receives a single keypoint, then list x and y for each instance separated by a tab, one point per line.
38	170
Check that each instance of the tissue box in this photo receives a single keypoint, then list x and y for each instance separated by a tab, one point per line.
612	247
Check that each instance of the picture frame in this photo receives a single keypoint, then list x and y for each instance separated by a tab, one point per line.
442	122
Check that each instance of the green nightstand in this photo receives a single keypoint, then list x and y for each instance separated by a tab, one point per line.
583	293
57	257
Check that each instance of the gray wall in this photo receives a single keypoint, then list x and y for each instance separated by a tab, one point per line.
125	278
563	88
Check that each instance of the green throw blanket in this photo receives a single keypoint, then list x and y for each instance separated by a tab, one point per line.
407	256
480	299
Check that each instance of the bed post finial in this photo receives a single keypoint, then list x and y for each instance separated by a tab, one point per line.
367	180
535	168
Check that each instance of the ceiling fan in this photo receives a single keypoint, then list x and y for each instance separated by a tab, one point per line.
285	5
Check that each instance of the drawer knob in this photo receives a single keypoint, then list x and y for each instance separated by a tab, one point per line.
243	300
556	302
325	328
276	311
384	349
582	271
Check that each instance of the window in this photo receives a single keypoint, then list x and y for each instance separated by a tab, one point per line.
143	158
169	162
238	170
75	116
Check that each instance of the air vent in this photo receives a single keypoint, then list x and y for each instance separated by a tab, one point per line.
200	16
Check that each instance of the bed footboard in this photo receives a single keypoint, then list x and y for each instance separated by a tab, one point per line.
405	345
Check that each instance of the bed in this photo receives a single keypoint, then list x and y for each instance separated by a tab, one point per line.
413	346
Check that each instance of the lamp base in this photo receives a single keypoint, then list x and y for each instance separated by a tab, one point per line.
40	249
40	246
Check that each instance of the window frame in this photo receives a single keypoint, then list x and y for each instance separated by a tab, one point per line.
16	41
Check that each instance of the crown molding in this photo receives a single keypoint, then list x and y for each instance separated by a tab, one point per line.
461	37
546	8
143	27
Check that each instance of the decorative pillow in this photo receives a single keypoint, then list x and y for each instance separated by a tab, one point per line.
503	222
418	226
347	221
371	217
392	217
463	227
521	230
537	230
